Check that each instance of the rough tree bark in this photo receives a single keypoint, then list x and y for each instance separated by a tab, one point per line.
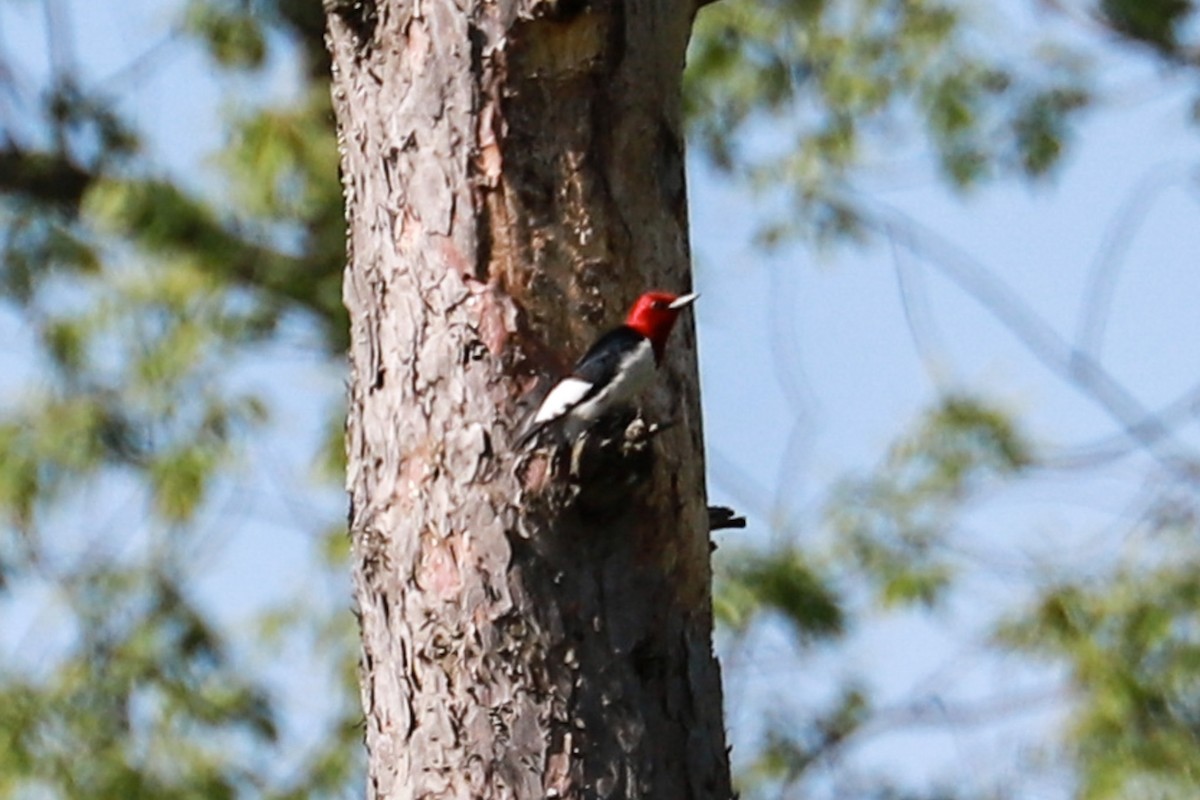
514	178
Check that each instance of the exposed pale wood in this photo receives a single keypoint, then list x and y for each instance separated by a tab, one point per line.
514	178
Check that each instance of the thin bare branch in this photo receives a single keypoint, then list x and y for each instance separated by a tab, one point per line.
917	315
1079	369
1097	301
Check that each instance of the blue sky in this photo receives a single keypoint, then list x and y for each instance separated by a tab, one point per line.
809	368
828	373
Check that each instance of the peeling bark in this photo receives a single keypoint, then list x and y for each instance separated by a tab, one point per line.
514	179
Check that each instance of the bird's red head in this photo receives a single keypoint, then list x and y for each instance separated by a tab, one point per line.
654	315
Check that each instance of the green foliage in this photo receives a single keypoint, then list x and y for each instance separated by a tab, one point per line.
140	293
88	126
889	534
797	96
141	297
144	705
781	582
893	525
799	99
795	745
35	247
284	167
1131	640
1154	22
167	223
234	36
1040	126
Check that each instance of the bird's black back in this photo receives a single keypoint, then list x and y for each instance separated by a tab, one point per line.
603	358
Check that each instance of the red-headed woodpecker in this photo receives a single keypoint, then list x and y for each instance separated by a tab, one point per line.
613	370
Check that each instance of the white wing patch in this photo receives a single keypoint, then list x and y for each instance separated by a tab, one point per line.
635	373
562	398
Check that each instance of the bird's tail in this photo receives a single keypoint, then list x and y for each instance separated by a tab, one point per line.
531	435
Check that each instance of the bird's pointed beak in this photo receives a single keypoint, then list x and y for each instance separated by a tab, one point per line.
683	301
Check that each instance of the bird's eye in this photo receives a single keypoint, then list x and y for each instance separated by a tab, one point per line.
659	304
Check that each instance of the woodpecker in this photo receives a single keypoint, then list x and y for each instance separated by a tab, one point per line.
613	370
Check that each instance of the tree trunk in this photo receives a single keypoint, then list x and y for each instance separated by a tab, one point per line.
514	179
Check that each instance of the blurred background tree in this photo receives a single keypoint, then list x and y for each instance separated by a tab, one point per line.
171	397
